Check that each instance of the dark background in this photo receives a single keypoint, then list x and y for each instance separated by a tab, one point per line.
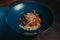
53	33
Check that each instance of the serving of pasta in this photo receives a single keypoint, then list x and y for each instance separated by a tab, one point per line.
30	21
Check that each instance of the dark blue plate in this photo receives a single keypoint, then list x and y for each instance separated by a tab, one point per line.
20	9
2	12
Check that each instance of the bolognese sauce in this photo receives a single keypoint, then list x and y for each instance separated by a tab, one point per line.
30	21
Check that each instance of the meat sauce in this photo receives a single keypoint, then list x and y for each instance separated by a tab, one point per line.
30	21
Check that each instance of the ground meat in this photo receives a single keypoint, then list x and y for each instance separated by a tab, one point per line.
32	19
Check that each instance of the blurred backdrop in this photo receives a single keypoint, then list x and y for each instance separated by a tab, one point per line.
52	34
